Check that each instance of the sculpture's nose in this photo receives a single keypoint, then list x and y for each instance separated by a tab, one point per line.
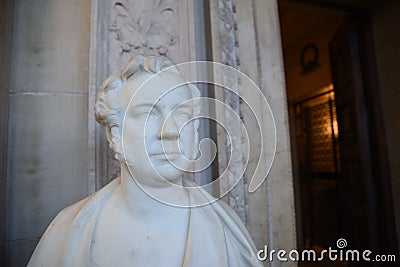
168	130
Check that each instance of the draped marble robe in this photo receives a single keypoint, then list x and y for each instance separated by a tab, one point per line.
215	235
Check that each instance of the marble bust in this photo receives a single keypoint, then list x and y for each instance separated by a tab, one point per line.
131	221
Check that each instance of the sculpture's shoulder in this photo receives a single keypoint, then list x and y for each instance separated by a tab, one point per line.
232	222
240	246
217	225
69	213
54	240
81	210
68	228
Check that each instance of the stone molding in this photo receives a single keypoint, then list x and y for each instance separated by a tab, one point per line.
228	48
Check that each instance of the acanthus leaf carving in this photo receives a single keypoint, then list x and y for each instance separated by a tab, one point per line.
145	27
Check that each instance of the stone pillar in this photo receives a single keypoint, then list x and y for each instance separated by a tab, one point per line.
47	144
246	36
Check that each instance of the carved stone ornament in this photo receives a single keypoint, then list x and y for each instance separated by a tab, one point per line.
229	47
144	27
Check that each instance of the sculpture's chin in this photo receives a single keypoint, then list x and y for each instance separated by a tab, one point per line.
170	168
171	174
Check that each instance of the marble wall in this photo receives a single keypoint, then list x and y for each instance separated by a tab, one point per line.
47	146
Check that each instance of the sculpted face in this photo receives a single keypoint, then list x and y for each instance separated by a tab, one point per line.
158	136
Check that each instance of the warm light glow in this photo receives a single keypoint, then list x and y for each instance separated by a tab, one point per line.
335	127
328	127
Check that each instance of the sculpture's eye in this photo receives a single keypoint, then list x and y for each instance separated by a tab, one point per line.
183	114
147	115
143	112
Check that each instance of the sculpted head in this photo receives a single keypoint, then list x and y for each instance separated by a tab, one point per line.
146	111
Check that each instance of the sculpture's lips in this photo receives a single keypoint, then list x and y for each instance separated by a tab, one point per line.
166	156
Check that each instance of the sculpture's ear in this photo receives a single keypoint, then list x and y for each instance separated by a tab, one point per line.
114	137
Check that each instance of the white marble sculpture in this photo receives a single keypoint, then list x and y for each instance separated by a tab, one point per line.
124	224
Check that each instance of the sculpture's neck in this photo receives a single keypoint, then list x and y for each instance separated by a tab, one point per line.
140	202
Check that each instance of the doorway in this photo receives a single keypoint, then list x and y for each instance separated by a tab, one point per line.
306	33
316	137
341	185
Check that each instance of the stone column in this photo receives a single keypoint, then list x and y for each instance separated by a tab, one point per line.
47	126
246	36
